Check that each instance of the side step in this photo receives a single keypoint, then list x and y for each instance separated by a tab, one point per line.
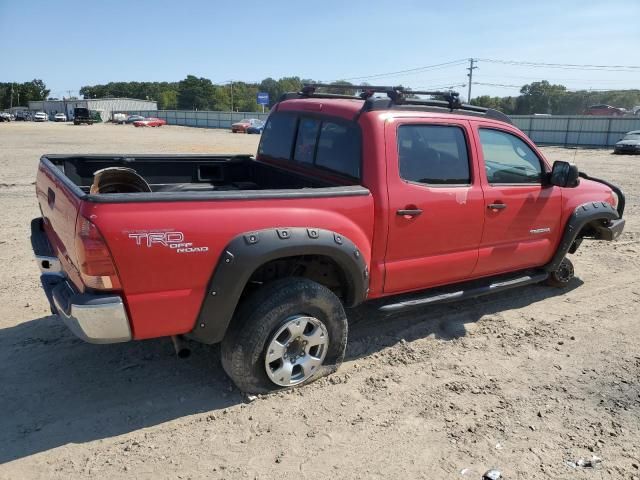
474	289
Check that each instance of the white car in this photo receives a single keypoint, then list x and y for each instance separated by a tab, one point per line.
40	117
119	118
60	117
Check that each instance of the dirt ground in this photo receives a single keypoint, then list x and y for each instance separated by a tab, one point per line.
526	381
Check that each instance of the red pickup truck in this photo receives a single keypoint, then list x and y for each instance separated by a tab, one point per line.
393	200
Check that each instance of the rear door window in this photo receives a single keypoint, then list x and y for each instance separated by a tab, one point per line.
433	155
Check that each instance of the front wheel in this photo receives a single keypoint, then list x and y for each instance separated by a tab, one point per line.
290	332
561	276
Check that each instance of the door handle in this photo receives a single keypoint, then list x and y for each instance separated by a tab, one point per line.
496	206
414	212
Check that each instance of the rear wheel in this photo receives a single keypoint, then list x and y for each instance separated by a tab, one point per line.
562	275
290	332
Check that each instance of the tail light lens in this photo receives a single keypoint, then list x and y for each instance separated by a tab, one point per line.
96	266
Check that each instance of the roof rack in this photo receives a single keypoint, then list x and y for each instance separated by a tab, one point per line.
398	98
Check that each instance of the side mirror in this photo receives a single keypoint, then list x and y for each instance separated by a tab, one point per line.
564	174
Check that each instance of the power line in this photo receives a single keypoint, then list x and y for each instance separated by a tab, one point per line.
566	66
439	87
410	70
568	90
550	79
497	85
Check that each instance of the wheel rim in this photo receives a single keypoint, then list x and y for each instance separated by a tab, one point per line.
296	350
565	272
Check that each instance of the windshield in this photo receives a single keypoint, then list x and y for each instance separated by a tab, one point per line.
632	136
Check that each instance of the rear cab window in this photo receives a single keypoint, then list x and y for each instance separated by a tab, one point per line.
328	144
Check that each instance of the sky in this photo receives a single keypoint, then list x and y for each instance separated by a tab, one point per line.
71	43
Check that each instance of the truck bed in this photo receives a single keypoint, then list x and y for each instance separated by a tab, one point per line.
182	176
205	200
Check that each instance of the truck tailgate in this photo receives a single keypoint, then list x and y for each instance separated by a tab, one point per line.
59	206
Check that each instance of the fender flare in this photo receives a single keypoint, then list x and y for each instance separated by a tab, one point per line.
581	216
248	251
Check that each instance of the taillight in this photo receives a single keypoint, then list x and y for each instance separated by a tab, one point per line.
96	266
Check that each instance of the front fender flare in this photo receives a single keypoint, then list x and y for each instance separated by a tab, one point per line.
582	215
248	251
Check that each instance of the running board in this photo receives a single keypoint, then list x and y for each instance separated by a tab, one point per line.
432	298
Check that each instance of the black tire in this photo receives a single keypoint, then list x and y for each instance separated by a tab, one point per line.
267	310
561	277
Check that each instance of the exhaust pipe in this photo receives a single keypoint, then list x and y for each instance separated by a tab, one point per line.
182	351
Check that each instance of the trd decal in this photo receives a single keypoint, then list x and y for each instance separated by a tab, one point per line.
172	240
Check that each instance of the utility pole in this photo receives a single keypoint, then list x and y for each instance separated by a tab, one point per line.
11	101
471	68
231	96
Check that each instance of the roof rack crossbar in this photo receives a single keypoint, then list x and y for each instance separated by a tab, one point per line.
398	96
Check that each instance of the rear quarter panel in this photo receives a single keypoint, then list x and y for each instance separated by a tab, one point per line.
164	289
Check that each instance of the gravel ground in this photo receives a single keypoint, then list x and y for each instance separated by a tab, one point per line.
528	382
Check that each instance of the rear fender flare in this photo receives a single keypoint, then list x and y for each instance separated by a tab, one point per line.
248	251
581	216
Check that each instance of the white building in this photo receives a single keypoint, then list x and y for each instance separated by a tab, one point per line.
105	106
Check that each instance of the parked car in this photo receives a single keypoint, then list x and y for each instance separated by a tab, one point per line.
82	115
244	124
119	118
5	117
134	118
605	110
399	202
60	117
23	116
630	143
149	122
257	127
40	117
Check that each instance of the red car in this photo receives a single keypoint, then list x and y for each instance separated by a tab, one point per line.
150	122
605	111
398	202
243	125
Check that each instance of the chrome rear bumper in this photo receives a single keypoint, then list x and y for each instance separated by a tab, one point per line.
93	317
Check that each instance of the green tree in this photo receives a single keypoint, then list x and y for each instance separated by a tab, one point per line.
540	97
168	100
196	93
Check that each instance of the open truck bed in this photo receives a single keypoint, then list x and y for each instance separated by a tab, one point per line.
173	176
96	243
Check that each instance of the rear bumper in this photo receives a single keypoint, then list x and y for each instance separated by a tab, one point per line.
611	231
93	317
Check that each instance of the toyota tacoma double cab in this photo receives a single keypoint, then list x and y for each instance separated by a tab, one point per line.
381	197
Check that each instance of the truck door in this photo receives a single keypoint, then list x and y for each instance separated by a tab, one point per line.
436	205
522	216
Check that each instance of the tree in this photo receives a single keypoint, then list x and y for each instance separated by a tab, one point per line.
196	94
22	93
342	91
168	100
201	93
539	97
